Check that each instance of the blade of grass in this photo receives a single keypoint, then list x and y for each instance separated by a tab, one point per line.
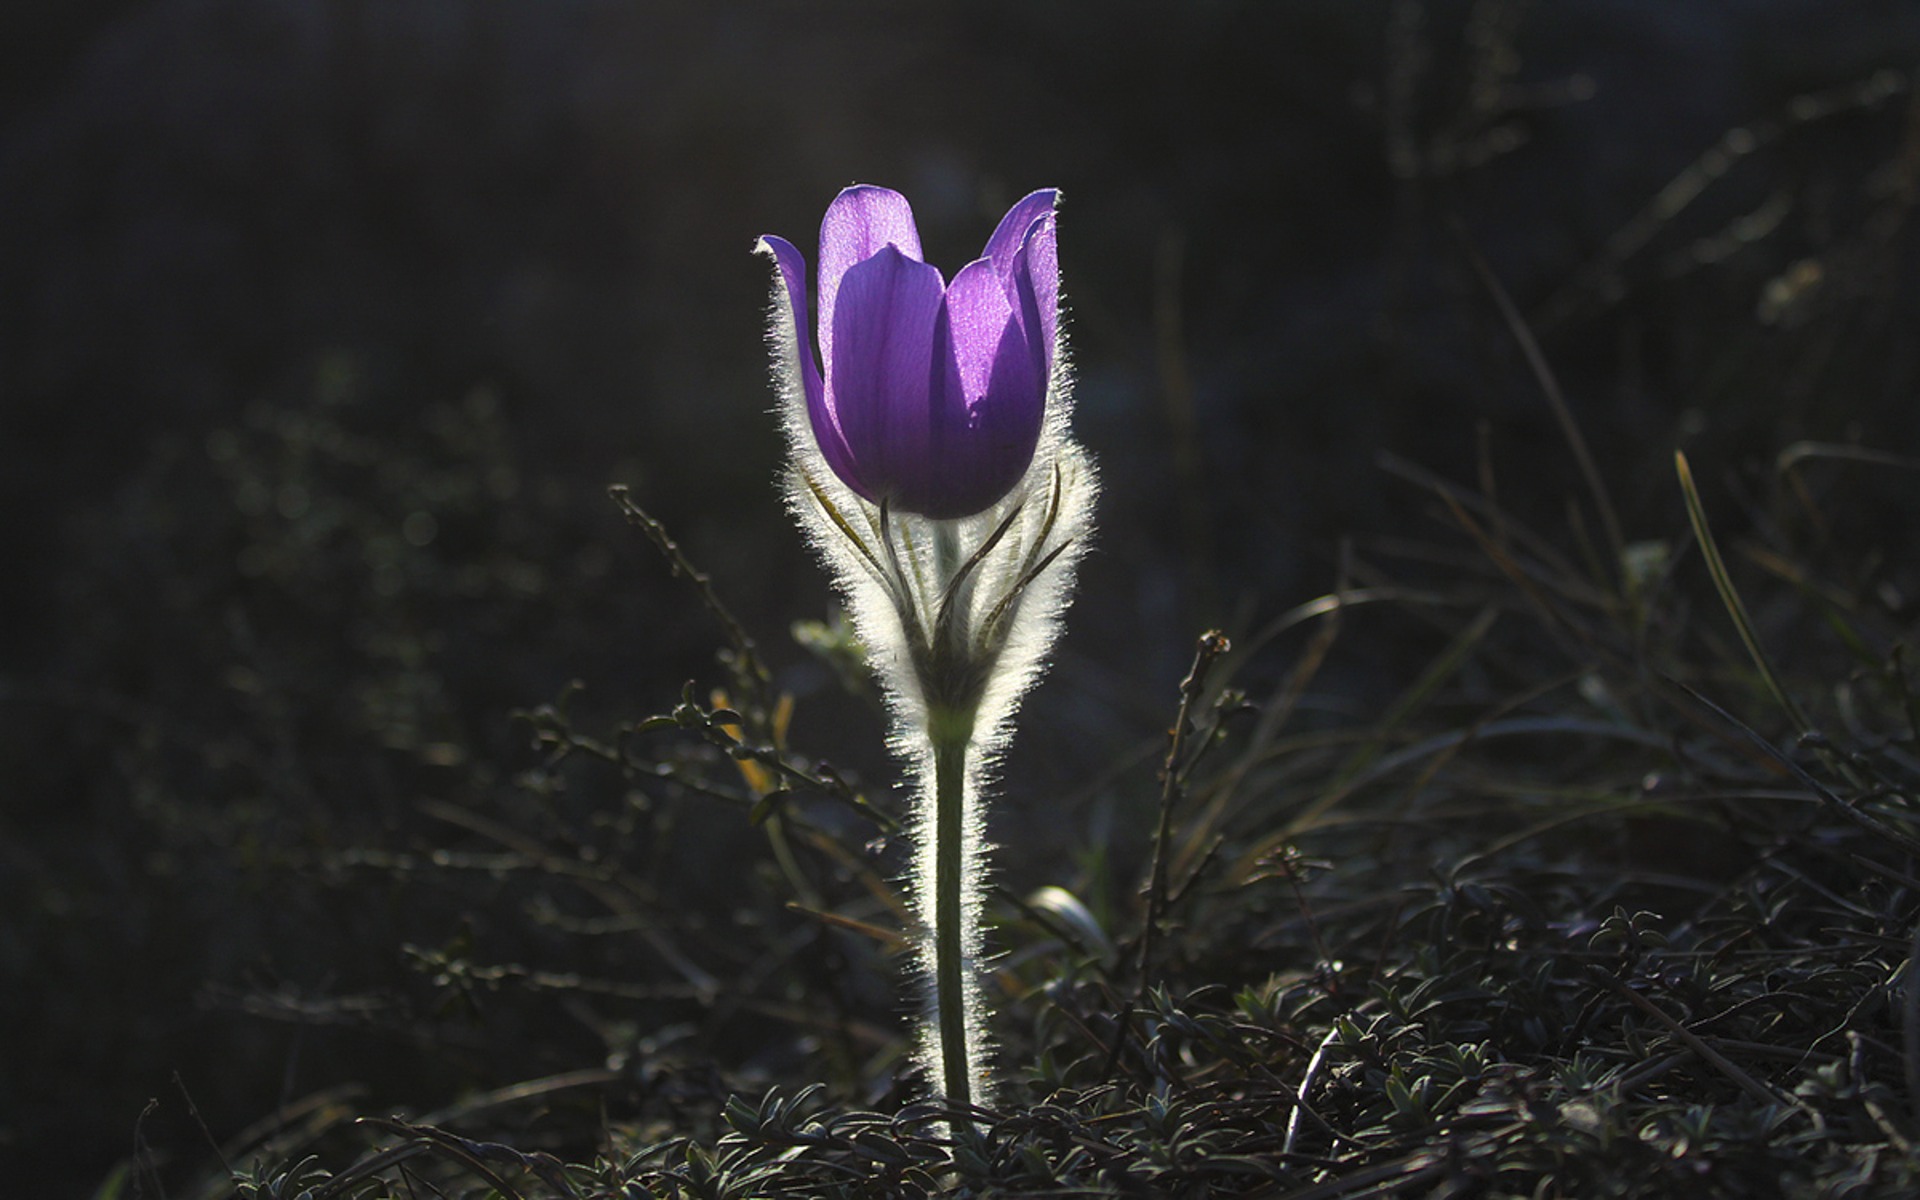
1556	399
1772	753
1729	596
1444	666
1386	765
1832	604
1512	535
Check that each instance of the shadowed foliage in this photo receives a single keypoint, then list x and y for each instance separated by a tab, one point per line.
390	813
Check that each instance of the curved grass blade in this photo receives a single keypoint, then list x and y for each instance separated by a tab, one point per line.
1736	607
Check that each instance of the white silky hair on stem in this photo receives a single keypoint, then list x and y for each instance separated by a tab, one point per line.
982	595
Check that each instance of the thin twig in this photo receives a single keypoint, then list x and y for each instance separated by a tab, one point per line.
1212	645
752	673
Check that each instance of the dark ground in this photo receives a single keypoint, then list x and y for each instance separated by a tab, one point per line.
325	327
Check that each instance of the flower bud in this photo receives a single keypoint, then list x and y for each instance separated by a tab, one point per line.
934	393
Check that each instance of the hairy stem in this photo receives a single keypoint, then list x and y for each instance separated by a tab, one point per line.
951	986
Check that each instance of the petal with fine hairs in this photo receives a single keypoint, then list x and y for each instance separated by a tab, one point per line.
1011	233
988	402
795	348
1036	284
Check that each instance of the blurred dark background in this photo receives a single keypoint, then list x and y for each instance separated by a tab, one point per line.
324	327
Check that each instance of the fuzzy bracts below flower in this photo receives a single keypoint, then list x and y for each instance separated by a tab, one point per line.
932	470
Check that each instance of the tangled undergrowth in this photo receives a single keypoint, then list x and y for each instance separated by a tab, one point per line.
1617	897
1538	857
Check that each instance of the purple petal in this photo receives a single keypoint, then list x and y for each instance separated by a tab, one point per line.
1036	282
1012	230
988	401
859	223
978	312
793	276
878	379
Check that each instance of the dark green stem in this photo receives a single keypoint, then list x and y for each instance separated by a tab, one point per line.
951	734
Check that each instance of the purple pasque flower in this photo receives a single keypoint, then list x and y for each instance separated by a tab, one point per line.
934	393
